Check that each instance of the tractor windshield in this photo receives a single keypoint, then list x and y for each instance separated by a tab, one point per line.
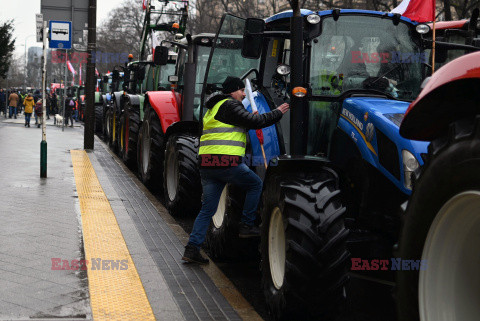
362	52
227	59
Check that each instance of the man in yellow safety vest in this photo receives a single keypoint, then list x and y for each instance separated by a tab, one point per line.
222	147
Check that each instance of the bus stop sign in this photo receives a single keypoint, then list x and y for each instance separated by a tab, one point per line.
60	35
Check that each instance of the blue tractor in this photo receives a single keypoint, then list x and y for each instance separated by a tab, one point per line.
336	162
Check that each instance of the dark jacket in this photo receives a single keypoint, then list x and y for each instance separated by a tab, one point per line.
233	112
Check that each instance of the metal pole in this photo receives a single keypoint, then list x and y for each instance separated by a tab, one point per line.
6	98
64	90
297	114
88	137
25	75
43	144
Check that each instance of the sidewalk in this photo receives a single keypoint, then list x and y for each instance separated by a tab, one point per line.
91	208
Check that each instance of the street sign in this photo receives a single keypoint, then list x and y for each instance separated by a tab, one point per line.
75	11
60	34
39	25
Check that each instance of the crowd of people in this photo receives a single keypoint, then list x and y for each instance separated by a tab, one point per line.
13	103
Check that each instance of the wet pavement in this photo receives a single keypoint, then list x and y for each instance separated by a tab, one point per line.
39	220
59	219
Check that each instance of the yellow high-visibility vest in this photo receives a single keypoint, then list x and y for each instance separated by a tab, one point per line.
220	138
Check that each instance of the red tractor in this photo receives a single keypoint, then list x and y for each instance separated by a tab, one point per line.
441	228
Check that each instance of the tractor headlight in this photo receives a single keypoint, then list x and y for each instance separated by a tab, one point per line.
283	69
313	19
422	29
410	164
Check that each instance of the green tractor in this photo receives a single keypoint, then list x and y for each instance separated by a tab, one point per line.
140	78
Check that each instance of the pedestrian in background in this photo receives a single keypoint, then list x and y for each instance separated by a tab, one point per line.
12	104
29	102
69	106
39	112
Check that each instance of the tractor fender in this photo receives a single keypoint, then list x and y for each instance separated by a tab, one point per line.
294	164
450	95
185	126
132	100
117	96
165	105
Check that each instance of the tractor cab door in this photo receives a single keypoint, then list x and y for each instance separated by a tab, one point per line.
226	60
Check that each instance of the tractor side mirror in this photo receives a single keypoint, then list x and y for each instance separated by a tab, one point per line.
160	57
253	38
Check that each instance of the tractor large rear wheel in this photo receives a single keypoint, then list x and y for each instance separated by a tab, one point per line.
129	123
151	150
441	228
303	246
182	187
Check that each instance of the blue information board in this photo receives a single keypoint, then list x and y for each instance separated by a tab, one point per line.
60	34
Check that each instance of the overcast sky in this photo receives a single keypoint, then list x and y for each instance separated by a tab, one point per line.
23	12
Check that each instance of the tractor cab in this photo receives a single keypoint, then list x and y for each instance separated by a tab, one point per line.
194	50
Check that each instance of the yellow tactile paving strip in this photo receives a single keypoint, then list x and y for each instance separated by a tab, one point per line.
115	294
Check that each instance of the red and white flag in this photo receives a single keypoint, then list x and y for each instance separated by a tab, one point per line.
70	67
417	10
96	72
144	4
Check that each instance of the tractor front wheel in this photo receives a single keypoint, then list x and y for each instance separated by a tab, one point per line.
151	150
129	123
182	185
303	246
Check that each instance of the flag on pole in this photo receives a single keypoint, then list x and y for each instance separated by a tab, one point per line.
155	42
258	132
70	67
417	10
80	75
96	72
144	4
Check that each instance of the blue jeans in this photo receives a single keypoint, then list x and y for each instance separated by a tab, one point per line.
13	112
213	182
27	118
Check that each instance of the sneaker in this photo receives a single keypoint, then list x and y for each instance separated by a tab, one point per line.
192	255
247	231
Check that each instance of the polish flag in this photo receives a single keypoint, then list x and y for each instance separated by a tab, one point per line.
70	67
417	10
96	72
144	4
